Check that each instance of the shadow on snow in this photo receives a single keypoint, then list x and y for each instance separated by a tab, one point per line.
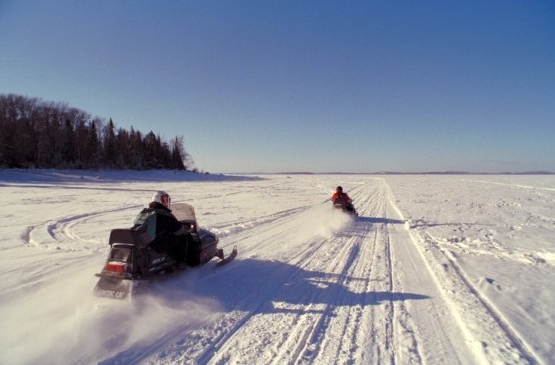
254	287
260	286
379	220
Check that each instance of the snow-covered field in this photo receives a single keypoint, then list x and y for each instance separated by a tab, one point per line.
436	270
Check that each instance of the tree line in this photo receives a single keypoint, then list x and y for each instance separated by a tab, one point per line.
39	134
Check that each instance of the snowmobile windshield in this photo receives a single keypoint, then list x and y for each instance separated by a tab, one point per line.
184	212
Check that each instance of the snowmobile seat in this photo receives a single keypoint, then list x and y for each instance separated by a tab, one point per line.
128	236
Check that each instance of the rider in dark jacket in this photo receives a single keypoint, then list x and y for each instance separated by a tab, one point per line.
171	235
165	221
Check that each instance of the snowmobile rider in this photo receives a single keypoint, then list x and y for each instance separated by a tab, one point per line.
171	235
341	199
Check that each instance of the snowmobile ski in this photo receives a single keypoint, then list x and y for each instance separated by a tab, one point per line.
227	259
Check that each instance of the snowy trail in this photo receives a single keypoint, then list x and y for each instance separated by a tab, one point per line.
404	283
328	297
489	330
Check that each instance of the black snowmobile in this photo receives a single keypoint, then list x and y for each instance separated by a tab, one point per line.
131	260
348	208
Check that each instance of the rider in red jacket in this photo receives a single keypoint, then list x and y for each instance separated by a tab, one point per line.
341	198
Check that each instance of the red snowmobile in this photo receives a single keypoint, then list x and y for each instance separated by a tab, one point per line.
131	260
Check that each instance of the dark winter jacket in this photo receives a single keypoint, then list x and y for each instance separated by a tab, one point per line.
166	221
169	234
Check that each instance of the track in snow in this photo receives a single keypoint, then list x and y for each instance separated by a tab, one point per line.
356	296
309	286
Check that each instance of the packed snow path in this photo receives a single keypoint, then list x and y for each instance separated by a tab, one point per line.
350	297
310	285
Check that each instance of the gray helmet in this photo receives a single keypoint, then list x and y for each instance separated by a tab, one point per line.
163	198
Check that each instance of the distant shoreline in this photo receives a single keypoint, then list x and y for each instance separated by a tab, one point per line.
404	173
211	176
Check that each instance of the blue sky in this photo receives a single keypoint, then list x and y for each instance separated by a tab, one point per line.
322	86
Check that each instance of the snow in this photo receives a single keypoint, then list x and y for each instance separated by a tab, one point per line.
455	269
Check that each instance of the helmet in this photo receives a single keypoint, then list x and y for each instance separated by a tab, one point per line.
162	197
339	189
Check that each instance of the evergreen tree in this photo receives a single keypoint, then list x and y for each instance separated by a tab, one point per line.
110	152
177	154
123	149
92	146
68	146
38	134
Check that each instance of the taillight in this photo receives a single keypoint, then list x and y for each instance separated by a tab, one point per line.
115	266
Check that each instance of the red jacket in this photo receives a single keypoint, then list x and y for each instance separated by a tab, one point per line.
341	198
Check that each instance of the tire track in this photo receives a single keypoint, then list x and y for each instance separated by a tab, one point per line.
317	338
305	317
309	305
60	233
516	340
363	319
490	338
308	320
217	339
337	339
